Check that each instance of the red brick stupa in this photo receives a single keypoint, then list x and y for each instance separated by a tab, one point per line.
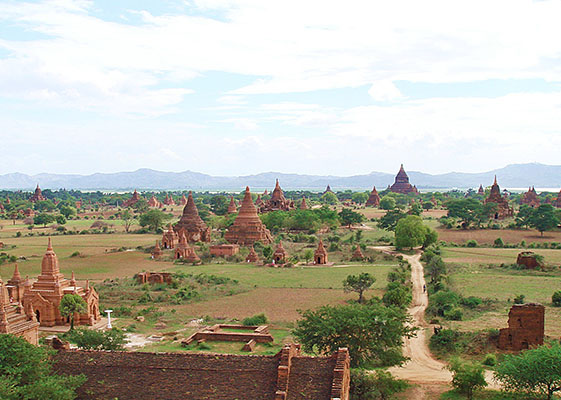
232	207
401	184
182	200
248	228
303	204
504	210
252	257
277	202
279	256
195	228
373	199
153	202
530	198
481	191
357	254
37	196
320	255
183	251
157	252
169	201
135	198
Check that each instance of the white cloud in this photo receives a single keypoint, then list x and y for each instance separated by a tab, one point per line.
384	91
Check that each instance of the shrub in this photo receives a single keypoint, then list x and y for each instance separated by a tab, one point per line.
490	360
445	340
556	298
471	243
89	339
379	385
467	377
499	242
258	319
455	314
519	299
471	302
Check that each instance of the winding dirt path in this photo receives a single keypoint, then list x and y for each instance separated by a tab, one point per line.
422	367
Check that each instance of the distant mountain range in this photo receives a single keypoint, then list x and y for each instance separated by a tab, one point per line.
511	176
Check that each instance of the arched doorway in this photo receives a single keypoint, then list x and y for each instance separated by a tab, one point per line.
38	315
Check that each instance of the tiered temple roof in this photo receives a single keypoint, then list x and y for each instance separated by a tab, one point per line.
195	228
157	252
169	238
481	191
357	254
37	196
135	198
303	204
43	297
154	202
169	201
183	200
401	184
232	207
530	198
279	256
277	202
504	209
248	228
185	252
373	199
252	257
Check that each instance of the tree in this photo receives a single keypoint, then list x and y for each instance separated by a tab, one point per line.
390	220
416	209
43	219
431	237
358	283
397	295
466	210
329	198
359	197
60	219
387	203
128	219
219	204
556	299
436	269
524	215
308	255
153	219
410	232
67	211
71	304
374	386
26	373
90	339
467	377
349	217
373	333
532	371
544	218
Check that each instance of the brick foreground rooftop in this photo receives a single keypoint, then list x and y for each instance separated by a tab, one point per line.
154	376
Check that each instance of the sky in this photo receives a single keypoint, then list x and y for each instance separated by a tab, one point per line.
230	87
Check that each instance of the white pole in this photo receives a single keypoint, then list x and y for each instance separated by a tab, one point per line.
109	326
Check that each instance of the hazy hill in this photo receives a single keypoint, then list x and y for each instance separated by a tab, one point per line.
511	176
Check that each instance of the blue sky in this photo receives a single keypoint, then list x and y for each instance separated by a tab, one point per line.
238	87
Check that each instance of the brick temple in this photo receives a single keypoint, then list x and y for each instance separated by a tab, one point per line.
192	224
42	297
504	210
135	198
37	196
373	199
13	318
277	202
530	198
401	184
247	227
526	323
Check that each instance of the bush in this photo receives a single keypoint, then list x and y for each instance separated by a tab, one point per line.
467	377
379	385
258	319
519	299
490	360
556	298
499	243
89	339
471	302
445	340
455	314
471	243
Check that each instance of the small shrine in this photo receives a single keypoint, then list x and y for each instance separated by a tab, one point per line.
373	199
320	255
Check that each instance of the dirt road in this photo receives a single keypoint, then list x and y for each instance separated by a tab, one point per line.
423	367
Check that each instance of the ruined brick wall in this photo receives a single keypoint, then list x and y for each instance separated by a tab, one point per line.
159	376
526	324
155	376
